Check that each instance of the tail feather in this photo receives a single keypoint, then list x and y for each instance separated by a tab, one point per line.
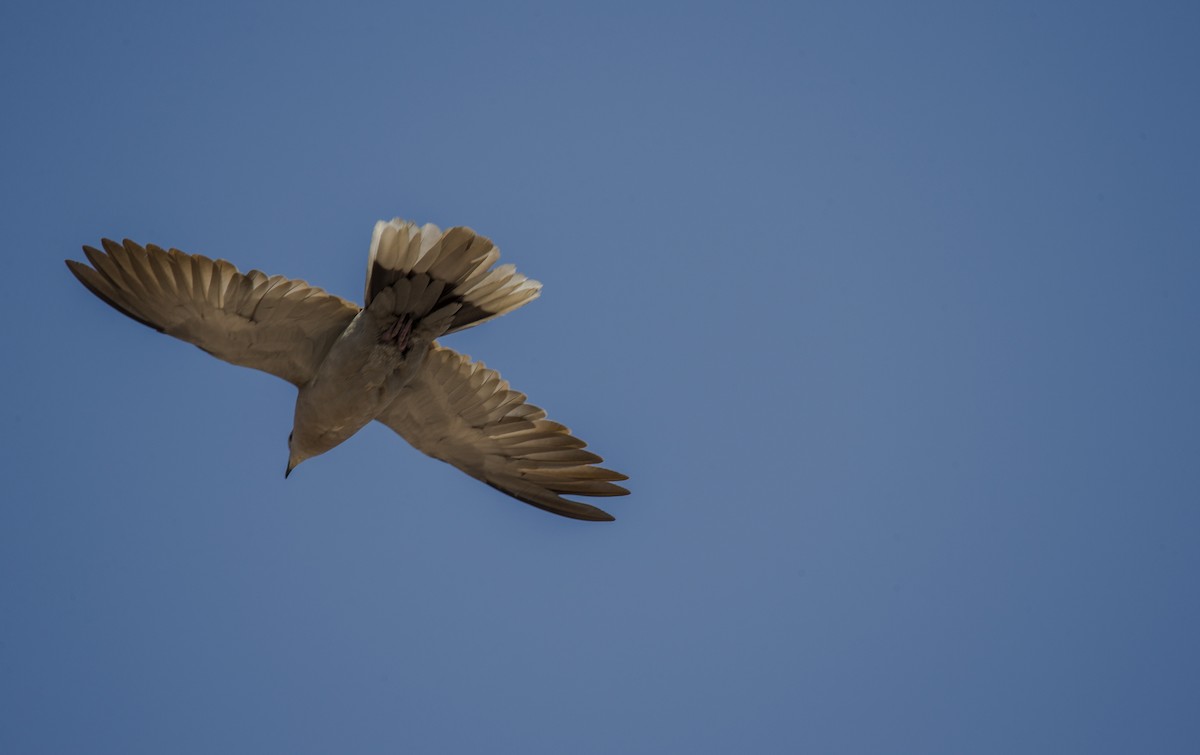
449	273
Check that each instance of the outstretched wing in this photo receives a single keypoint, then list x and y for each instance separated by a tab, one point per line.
463	413
281	326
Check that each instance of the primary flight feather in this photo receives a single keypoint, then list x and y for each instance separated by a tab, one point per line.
379	362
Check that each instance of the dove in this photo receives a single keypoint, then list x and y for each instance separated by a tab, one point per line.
379	362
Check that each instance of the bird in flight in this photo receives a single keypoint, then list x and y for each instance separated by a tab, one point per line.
380	361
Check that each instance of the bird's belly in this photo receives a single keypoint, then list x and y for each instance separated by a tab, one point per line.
356	382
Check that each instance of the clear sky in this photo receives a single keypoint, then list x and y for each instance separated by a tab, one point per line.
889	310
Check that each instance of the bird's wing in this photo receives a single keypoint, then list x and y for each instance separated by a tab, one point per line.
463	413
281	326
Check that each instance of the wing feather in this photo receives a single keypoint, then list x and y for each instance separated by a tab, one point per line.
465	414
281	326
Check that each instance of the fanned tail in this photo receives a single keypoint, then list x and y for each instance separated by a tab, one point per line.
429	275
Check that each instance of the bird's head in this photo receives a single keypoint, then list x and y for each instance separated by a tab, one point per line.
296	454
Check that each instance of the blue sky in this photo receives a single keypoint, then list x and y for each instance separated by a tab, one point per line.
889	312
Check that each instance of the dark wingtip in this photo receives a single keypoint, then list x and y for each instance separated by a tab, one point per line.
572	510
82	272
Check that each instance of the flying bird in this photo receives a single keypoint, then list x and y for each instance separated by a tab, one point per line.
380	361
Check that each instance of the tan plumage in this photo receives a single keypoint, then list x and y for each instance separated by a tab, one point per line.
461	412
352	365
459	258
284	327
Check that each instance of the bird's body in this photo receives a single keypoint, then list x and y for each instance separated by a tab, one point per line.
356	381
379	362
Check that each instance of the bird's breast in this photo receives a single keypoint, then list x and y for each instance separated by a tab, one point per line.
358	379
